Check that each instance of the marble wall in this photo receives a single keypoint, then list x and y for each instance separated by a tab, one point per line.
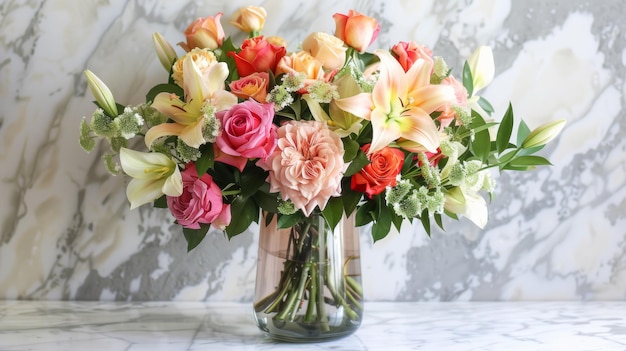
557	233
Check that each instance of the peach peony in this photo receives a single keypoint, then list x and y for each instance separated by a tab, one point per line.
307	165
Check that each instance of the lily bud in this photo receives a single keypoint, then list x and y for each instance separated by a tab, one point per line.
482	67
543	134
164	51
101	92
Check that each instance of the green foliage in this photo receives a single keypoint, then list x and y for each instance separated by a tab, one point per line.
195	236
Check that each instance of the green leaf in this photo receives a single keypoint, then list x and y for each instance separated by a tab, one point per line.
522	132
286	221
245	212
164	88
357	164
481	145
160	202
195	236
350	147
468	81
396	220
350	197
252	179
505	130
426	222
530	160
364	214
206	160
268	202
333	211
485	105
438	220
382	225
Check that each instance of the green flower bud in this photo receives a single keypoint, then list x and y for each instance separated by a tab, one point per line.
101	92
543	134
165	51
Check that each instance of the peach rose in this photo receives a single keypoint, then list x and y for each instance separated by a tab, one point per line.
307	165
249	19
257	55
328	49
203	59
204	33
356	30
408	53
252	86
385	165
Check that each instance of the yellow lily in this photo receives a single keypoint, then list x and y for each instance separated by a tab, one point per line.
189	115
153	173
400	104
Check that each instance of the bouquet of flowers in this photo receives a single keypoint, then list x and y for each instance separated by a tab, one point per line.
330	129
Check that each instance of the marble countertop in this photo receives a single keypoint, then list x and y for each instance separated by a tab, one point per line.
39	325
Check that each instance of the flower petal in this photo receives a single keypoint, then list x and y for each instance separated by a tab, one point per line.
143	191
359	105
192	134
173	185
161	130
416	125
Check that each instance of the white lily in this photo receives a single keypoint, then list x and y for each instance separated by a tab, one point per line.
153	173
482	67
467	203
101	92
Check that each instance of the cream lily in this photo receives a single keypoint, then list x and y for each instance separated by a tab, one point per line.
543	134
189	115
400	104
482	67
153	173
165	51
467	203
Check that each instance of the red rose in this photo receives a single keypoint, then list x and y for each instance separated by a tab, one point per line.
385	166
257	55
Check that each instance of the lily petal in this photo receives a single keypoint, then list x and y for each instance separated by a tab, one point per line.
142	191
417	125
359	105
161	130
173	185
192	135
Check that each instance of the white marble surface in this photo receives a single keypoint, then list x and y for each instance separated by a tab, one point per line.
528	326
66	231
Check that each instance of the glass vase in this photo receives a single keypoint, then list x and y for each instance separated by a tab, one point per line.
308	282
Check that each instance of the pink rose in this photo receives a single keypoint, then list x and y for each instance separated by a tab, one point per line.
248	130
307	165
204	33
356	30
200	202
257	55
408	53
252	86
447	111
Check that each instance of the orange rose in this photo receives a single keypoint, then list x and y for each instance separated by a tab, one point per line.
257	55
251	86
408	53
204	33
385	166
356	30
301	62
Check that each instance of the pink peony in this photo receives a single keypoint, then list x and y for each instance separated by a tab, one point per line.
307	165
200	202
248	130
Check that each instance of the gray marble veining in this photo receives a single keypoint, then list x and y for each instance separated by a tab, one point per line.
66	231
68	326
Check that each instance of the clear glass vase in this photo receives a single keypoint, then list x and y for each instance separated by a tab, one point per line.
308	282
